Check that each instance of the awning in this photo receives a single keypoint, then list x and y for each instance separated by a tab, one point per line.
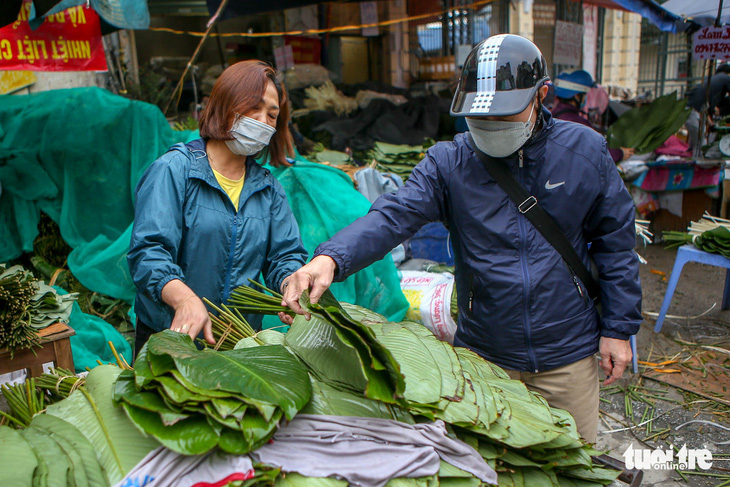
120	14
701	12
240	8
658	15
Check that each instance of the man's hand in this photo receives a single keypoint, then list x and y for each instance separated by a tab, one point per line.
615	355
317	275
191	316
627	153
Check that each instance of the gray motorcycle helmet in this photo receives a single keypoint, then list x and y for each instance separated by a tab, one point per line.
500	77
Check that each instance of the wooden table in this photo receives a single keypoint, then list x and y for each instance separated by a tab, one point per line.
56	348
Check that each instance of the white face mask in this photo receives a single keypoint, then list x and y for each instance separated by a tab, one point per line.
250	136
498	138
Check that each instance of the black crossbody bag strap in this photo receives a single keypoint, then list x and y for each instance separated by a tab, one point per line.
528	206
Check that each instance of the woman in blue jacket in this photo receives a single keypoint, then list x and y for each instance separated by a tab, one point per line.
207	216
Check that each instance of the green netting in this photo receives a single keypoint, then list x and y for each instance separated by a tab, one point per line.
77	155
91	342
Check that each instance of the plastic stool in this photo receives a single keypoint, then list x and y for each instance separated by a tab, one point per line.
690	253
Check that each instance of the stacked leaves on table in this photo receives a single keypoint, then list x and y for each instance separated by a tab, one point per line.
398	159
28	305
192	401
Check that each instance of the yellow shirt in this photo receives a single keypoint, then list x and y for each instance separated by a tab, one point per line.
232	187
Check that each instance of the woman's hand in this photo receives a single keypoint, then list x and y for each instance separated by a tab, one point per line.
317	276
191	315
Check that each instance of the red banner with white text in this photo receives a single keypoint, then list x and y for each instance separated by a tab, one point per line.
67	41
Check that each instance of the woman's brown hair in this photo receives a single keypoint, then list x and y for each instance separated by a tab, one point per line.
239	89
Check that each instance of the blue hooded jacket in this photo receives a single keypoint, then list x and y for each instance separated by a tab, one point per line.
185	227
518	304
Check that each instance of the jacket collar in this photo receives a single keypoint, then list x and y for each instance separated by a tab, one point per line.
257	178
535	147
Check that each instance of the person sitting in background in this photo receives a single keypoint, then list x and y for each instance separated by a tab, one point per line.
208	217
571	90
719	101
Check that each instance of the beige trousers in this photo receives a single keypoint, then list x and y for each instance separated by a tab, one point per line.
573	387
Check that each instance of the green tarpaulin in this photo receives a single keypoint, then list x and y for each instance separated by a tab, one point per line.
77	155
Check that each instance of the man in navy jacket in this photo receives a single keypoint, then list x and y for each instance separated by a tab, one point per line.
520	305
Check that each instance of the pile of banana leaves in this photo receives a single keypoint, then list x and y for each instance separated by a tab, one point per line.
517	433
647	127
192	401
398	159
345	361
83	440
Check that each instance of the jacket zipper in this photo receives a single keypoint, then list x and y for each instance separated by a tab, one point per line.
525	277
229	264
471	293
581	293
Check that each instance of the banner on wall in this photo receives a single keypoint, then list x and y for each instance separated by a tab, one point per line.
711	43
305	50
69	40
568	44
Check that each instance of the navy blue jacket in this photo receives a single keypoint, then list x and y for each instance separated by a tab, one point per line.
518	304
185	227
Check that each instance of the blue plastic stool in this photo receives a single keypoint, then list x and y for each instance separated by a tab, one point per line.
690	253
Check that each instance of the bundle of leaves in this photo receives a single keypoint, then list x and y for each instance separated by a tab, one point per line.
332	338
711	234
398	159
17	288
48	307
647	127
193	400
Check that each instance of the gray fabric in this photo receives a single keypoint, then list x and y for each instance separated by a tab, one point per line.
693	128
368	451
371	183
165	468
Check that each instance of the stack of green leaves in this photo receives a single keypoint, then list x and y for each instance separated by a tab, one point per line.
332	338
515	430
193	400
398	159
646	127
48	307
17	288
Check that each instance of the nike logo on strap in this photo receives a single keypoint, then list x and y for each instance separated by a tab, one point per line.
553	186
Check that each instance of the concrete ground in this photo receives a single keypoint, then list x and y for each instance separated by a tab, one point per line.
700	286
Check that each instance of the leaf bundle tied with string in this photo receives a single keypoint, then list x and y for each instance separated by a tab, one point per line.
710	234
